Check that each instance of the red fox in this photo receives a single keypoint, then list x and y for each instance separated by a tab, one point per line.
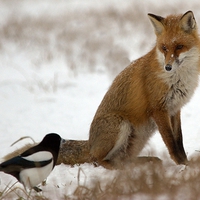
148	95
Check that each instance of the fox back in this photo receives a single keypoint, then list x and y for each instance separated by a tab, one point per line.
148	95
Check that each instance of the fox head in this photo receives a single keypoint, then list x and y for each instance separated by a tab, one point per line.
177	40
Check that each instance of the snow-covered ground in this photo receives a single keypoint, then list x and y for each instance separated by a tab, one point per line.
50	95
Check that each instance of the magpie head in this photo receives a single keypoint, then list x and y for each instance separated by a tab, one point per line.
51	138
52	142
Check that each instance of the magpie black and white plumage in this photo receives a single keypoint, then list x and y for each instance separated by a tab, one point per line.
35	164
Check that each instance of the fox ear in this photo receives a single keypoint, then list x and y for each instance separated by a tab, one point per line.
188	22
157	23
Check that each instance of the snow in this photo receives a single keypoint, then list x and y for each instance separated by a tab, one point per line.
35	101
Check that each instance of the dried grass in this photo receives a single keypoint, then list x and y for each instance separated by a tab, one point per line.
149	181
87	39
146	180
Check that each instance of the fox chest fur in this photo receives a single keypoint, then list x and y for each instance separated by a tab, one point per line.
180	92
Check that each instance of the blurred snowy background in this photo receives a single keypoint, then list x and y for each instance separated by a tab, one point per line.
58	58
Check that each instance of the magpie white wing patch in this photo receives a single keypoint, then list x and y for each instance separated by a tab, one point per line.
34	176
39	156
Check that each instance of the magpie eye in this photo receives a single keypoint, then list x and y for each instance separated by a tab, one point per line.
180	46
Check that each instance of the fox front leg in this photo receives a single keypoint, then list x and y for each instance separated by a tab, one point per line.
169	128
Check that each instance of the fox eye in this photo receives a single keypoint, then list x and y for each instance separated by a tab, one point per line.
180	46
164	48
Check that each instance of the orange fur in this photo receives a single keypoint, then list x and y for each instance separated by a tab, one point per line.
148	95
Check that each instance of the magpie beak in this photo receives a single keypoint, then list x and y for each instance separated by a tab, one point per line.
35	164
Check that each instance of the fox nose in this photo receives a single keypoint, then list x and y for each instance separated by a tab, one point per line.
168	67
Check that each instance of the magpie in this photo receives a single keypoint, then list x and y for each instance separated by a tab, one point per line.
35	164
